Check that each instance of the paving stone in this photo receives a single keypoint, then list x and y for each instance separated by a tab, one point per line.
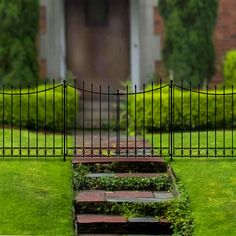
143	220
99	175
129	194
91	196
135	200
88	160
86	219
123	175
142	175
163	195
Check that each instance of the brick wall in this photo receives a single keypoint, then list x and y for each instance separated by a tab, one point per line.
224	36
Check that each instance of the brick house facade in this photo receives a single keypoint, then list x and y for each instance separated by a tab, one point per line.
144	32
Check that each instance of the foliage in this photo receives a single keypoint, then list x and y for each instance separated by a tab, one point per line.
113	183
18	32
211	186
37	108
230	68
189	50
204	111
179	214
176	210
36	197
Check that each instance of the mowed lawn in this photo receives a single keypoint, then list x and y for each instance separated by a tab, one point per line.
209	182
35	195
211	185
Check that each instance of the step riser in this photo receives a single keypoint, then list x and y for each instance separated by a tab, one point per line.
125	228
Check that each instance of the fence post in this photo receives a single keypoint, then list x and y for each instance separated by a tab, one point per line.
64	121
171	121
118	122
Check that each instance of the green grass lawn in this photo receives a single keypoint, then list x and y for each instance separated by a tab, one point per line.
35	195
210	183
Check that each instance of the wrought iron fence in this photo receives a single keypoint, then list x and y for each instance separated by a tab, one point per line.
67	120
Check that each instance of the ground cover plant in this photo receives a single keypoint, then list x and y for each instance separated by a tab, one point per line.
209	182
175	210
35	195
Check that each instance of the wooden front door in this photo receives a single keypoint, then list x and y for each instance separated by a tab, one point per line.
97	33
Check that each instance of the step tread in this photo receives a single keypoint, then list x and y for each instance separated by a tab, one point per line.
122	196
78	160
123	175
94	218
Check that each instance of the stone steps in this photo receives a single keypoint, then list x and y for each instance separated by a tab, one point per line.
120	225
124	175
100	211
99	196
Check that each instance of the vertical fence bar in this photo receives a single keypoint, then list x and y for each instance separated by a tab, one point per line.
83	123
144	107
62	117
92	152
28	111
135	120
153	123
37	120
20	122
45	118
127	120
190	130
64	121
108	120
215	121
207	128
100	120
160	117
224	120
171	121
182	118
232	118
3	123
12	121
75	117
53	117
198	120
118	122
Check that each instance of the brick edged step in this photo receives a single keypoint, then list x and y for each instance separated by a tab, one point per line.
124	175
88	160
105	224
97	196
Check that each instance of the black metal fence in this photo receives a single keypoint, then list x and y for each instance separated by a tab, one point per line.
68	120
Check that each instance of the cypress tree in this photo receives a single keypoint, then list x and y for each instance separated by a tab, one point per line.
189	51
19	20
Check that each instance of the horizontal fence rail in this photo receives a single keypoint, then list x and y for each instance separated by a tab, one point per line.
76	120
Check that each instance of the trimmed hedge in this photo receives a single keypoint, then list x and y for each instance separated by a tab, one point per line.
185	116
230	68
22	110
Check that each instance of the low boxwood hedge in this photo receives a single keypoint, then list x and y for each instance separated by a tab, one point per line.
190	110
38	110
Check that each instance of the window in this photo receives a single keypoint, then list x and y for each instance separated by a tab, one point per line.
96	12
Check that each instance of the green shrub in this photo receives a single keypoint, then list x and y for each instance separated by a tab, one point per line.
18	33
22	110
230	68
219	107
189	50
